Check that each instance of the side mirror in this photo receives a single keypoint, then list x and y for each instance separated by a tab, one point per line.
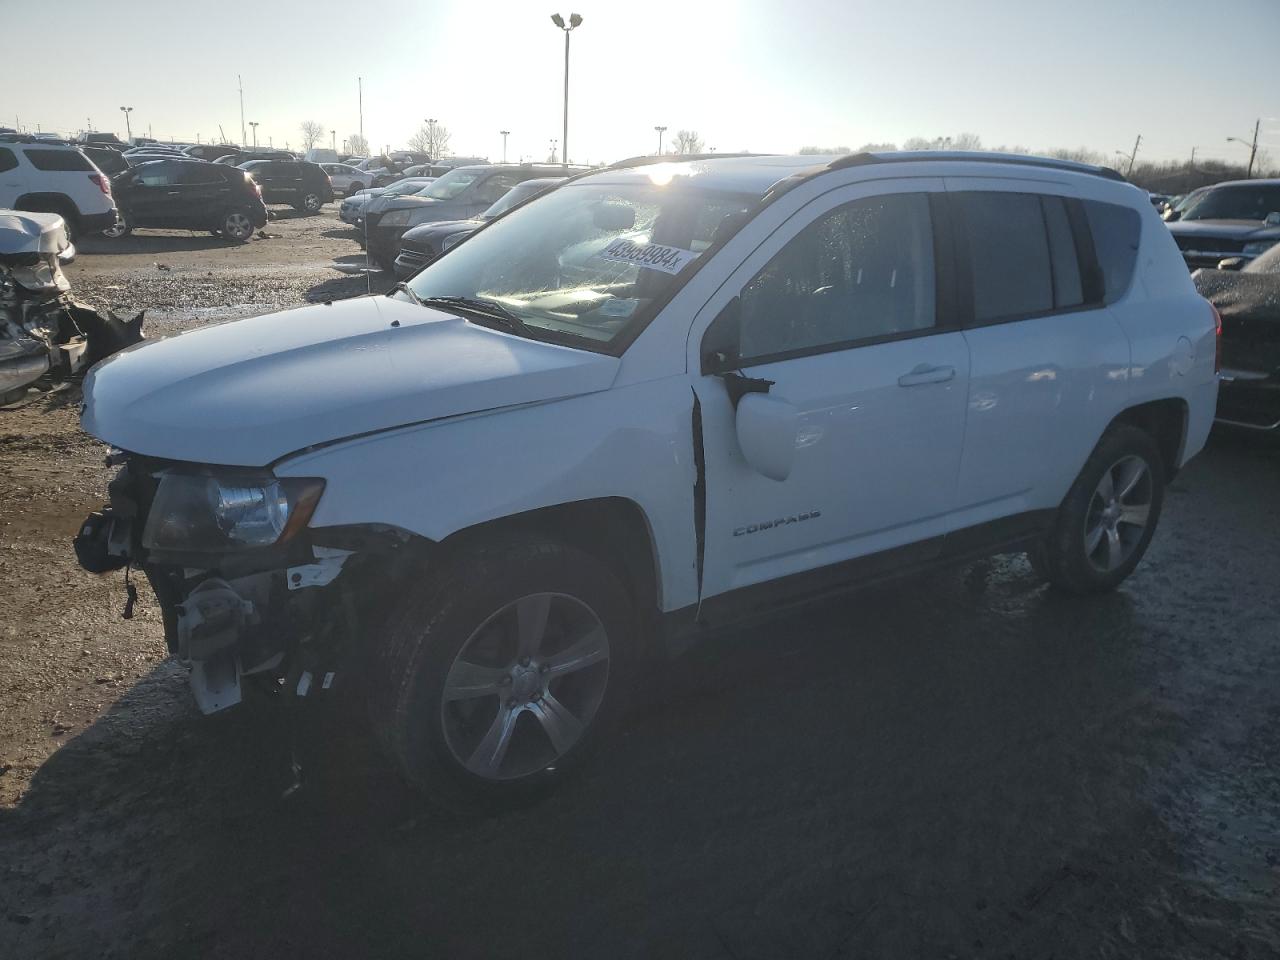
766	427
1232	263
721	342
1171	215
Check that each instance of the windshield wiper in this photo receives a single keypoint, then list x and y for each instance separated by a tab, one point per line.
404	288
485	309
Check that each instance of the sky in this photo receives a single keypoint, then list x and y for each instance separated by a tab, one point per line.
745	74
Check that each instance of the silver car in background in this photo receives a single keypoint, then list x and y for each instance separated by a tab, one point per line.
347	179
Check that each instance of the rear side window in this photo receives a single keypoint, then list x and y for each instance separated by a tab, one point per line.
1008	254
1067	288
60	160
199	173
7	160
1116	231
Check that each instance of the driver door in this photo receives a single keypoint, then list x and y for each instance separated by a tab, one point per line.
855	447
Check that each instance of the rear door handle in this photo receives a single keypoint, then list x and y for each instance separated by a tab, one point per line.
923	373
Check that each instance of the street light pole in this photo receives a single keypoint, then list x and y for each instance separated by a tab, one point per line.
661	131
1133	156
575	21
244	139
254	124
504	144
128	130
1252	145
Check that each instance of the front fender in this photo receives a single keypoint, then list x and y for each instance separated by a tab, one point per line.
439	478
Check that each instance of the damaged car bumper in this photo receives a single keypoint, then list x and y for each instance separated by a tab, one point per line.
245	589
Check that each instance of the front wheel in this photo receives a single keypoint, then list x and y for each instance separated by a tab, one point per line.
502	676
1109	515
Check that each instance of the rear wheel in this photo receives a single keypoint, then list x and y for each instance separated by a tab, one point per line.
354	189
311	203
1109	515
503	675
236	226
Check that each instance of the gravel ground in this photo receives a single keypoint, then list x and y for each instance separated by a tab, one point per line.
961	765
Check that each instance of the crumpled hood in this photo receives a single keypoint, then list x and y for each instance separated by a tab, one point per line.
249	392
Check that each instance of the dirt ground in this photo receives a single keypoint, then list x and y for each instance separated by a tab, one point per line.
961	765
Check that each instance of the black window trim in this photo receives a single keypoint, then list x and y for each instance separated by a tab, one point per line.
945	293
1086	258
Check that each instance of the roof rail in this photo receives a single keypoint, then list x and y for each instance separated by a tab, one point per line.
973	156
648	159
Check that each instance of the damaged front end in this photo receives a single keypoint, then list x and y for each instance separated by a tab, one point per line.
248	593
43	330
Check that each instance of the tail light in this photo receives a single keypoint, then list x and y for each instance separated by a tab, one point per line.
101	182
1217	339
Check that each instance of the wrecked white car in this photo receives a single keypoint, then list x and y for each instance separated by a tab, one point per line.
659	398
43	330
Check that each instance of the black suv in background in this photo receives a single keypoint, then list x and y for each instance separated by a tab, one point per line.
303	185
188	195
211	151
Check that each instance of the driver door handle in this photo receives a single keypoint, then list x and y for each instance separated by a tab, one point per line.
923	373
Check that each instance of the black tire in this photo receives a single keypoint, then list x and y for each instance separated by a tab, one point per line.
354	188
310	203
469	596
237	225
1065	557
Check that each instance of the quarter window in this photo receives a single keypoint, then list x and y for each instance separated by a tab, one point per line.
1116	231
862	272
1008	254
60	161
7	160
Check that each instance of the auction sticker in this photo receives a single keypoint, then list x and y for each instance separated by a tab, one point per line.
652	256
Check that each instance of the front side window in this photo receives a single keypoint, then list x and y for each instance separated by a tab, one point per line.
589	263
862	272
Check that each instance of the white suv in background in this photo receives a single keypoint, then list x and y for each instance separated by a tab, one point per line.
660	398
40	176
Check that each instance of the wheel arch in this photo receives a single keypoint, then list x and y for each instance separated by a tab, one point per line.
49	202
1165	421
613	529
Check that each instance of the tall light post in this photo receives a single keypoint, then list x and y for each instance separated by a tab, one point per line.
128	130
244	139
1252	145
575	21
504	144
333	140
254	124
431	137
661	131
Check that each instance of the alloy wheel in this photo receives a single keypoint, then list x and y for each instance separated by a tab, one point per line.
525	687
1118	513
117	229
311	202
237	227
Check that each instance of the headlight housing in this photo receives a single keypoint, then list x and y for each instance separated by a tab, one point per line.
453	240
397	218
1257	247
221	512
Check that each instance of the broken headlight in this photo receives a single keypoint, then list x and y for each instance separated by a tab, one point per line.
207	512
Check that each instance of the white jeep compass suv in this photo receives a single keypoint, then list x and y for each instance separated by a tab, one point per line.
657	399
44	176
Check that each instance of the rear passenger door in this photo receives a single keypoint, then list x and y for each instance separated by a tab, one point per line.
1048	361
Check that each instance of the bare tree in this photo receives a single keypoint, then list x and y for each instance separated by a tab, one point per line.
877	148
687	141
432	139
358	144
814	151
312	133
